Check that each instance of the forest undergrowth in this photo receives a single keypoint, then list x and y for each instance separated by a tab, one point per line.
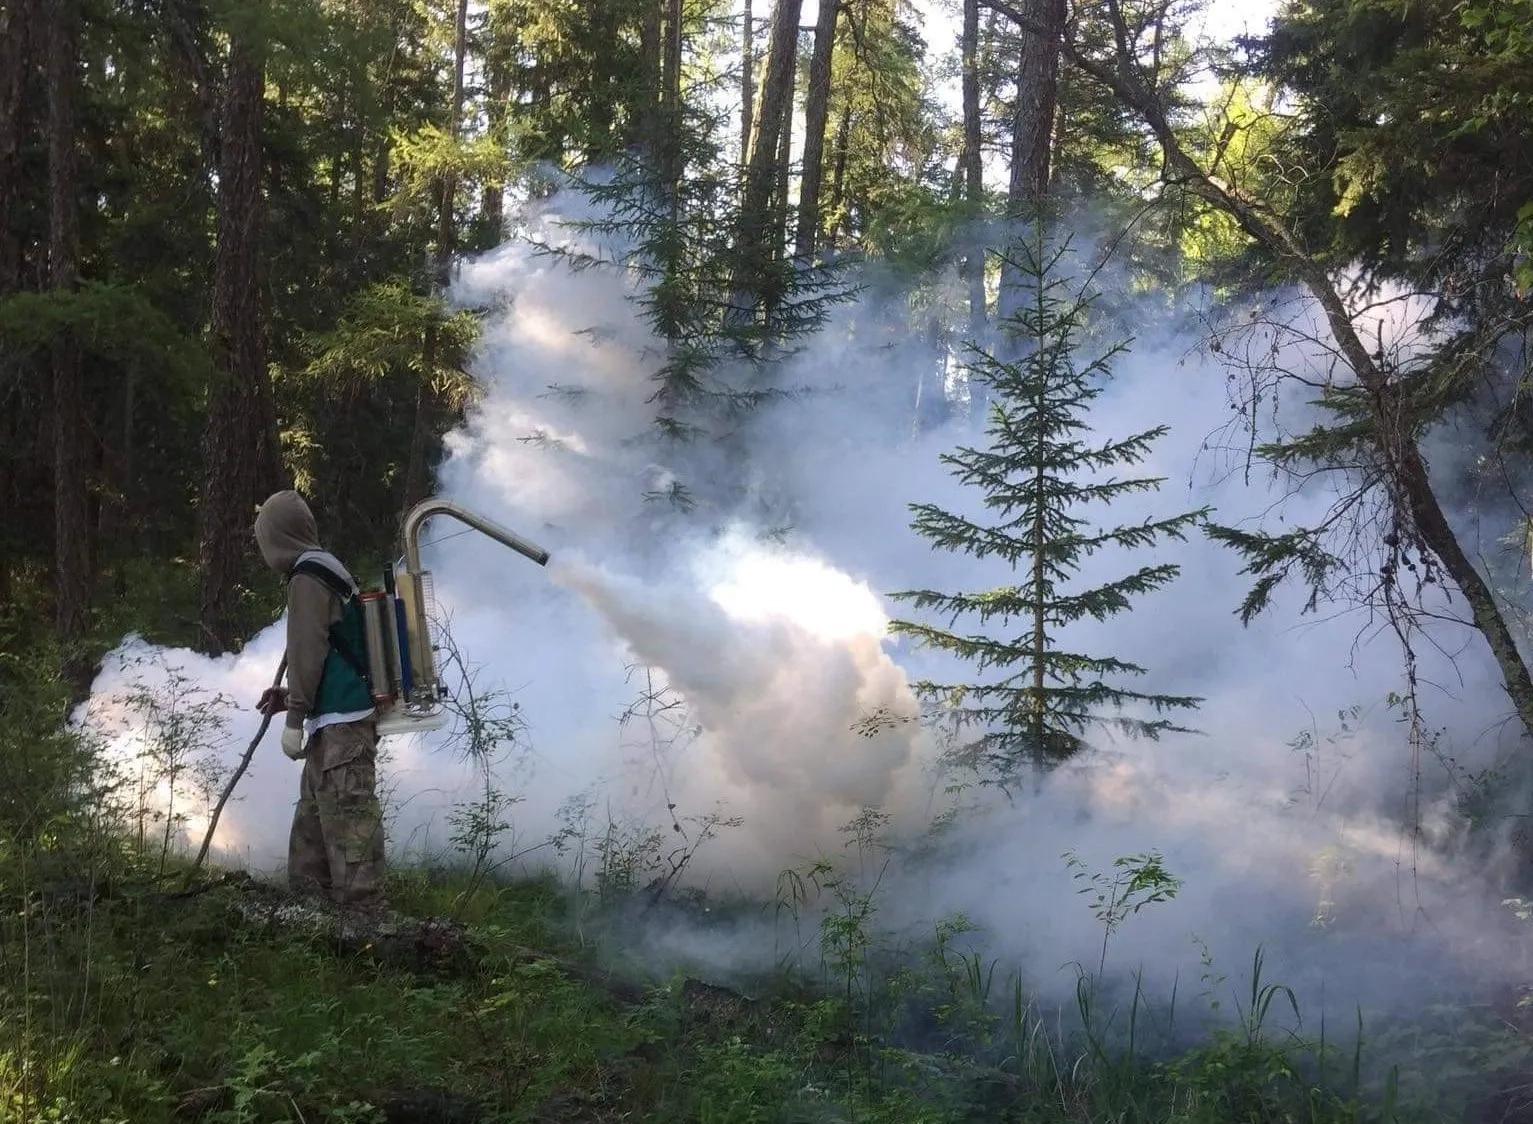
137	990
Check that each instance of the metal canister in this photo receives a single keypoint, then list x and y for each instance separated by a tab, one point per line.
422	670
375	613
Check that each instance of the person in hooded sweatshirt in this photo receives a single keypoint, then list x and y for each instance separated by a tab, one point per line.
336	845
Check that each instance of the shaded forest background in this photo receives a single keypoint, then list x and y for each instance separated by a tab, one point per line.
226	230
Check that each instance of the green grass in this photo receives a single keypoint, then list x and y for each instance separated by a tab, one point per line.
121	1002
134	1008
129	1009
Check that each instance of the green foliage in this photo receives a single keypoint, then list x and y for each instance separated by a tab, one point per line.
52	780
1134	882
121	1003
1273	558
1243	140
582	66
113	322
1415	131
886	183
431	155
741	1086
352	128
1407	154
184	727
1035	476
382	333
726	332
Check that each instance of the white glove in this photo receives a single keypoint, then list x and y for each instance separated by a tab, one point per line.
292	742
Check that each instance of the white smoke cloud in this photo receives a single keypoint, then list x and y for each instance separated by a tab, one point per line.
775	639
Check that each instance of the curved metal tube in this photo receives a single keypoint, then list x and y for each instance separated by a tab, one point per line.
424	510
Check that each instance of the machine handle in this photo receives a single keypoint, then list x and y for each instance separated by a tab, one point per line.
424	510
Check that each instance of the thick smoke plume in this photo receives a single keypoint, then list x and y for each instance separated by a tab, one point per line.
676	663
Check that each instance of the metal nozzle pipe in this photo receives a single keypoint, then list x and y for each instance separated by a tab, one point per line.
424	510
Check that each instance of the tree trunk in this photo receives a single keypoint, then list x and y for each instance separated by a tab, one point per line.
18	47
761	167
492	207
816	113
1399	454
17	21
670	107
779	232
71	434
838	172
185	23
114	516
649	123
971	172
1040	542
417	470
747	80
241	461
1040	35
971	165
777	235
449	184
601	105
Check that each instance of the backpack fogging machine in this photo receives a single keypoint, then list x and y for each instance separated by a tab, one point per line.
393	629
398	623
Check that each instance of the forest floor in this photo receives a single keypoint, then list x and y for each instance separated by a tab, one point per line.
236	1003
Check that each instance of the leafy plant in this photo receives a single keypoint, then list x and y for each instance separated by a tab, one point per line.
1115	895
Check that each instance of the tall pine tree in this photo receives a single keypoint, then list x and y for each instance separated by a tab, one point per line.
729	307
1039	475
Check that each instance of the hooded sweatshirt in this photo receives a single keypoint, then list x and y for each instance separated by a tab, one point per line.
286	534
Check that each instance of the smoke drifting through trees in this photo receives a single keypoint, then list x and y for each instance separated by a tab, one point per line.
762	608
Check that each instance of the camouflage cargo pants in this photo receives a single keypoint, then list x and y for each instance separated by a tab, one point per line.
336	845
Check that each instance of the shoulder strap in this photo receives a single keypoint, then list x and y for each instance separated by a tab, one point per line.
339	641
332	581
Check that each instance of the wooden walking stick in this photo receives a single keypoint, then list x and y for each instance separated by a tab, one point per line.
218	809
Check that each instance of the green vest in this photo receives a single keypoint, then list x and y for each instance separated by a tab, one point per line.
344	686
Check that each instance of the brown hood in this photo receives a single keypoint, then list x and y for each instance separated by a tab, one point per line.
284	529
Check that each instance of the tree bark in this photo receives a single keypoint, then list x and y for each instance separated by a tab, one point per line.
778	236
186	26
449	184
498	94
18	50
417	470
241	460
838	172
1399	454
605	80
761	167
971	165
649	124
1040	36
670	106
17	20
816	113
747	80
114	514
71	496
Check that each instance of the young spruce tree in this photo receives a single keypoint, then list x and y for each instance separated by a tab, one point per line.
1040	476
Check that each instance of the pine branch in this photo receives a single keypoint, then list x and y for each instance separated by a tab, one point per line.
1144	534
1273	558
1113	598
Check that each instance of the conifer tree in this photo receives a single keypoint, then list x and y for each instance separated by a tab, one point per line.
1040	475
671	218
